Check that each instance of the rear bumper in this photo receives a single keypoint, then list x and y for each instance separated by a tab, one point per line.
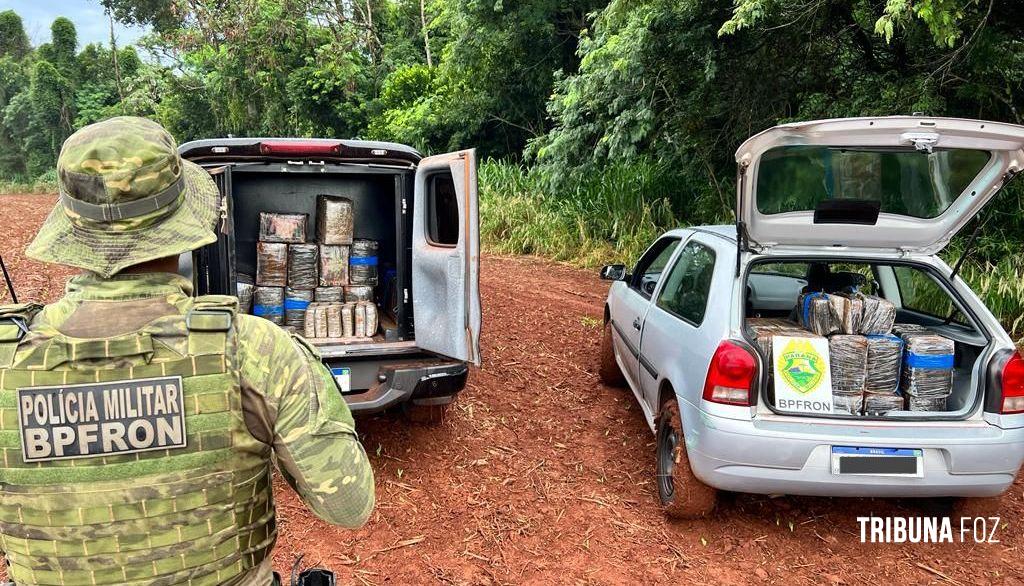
378	385
783	456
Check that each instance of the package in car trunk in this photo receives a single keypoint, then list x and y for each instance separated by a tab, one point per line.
763	329
271	264
334	321
822	313
268	303
884	360
853	312
347	320
926	403
882	403
927	365
359	320
371	319
302	266
335	218
276	227
355	293
330	294
296	302
877	315
848	404
363	270
245	285
334	266
848	357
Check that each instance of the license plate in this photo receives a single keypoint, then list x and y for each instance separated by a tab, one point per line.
343	376
856	461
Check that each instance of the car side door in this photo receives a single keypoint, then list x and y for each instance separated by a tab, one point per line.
629	309
679	334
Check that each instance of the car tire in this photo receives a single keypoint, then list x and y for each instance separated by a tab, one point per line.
427	415
608	369
682	494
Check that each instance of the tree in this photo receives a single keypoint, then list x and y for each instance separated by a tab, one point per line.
13	40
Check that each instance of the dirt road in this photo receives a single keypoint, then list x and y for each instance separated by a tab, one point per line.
542	475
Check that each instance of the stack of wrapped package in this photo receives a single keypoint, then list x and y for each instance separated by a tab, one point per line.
822	313
882	380
848	356
927	378
341	321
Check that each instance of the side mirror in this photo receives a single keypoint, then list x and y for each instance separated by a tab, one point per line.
613	272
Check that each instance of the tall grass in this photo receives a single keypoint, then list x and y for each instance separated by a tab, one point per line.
613	215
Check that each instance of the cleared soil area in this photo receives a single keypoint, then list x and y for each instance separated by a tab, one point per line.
542	475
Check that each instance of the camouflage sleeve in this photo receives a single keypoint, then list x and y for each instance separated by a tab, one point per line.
312	430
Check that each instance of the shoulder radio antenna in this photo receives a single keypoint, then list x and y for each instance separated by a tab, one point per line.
7	279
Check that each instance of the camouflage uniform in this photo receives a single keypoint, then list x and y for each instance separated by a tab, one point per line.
195	512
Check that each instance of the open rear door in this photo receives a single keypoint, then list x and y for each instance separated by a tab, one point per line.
214	264
446	256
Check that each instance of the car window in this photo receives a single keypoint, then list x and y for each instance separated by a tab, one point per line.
920	293
648	269
686	289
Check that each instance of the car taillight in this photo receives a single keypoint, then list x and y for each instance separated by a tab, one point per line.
731	375
1012	390
300	148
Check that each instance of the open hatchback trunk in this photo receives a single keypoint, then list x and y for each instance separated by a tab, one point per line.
898	183
421	212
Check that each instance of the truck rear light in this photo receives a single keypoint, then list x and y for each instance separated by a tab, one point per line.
731	375
299	148
1012	385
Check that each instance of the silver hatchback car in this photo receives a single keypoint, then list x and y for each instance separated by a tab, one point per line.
860	204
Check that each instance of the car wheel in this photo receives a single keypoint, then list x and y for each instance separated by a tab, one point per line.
608	369
427	415
682	494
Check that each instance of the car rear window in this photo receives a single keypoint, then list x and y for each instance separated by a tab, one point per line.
904	182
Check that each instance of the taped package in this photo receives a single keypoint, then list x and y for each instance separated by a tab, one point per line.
926	403
334	321
927	365
334	266
359	320
355	293
848	404
853	313
372	321
848	356
364	262
276	227
882	403
330	294
245	286
335	219
271	264
877	315
296	302
822	313
302	263
347	320
309	325
268	303
763	330
885	358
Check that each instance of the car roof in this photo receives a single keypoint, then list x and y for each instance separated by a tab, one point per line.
727	231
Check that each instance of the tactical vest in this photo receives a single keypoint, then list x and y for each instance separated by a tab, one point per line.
199	514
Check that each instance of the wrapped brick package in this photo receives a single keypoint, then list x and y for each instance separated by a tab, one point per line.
926	403
268	303
927	365
334	321
764	329
853	313
302	262
354	293
877	315
371	319
848	356
364	262
347	320
822	313
282	227
848	404
881	403
320	322
245	288
271	264
335	218
359	320
885	359
334	266
902	330
330	294
296	302
309	327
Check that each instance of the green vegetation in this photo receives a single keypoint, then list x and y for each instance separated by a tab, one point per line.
603	122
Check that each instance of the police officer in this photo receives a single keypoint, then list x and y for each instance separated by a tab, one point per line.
137	422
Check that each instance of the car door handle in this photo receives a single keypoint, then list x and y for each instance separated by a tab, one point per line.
636	324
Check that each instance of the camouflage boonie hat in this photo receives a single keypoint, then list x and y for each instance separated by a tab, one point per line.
126	197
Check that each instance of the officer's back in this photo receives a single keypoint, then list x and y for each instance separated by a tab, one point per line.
137	423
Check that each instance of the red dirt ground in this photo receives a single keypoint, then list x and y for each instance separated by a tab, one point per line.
542	475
